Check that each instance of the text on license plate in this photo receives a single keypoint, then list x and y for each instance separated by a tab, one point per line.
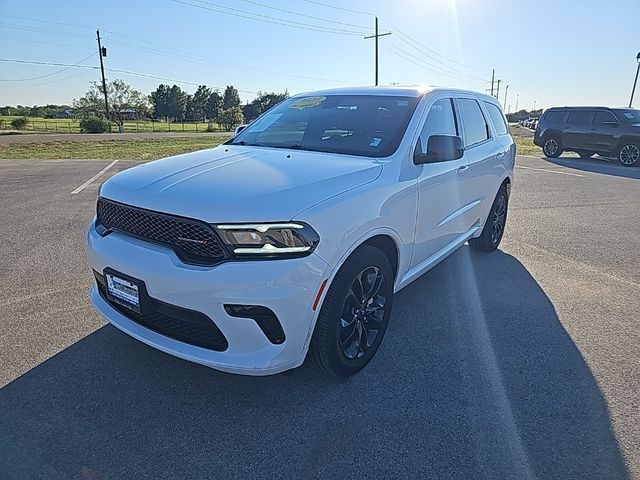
124	291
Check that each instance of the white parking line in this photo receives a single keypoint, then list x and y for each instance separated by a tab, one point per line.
550	171
94	178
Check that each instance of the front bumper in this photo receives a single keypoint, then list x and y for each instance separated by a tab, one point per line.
287	287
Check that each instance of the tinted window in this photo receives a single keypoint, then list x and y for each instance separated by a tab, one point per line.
580	116
365	125
497	118
440	121
602	116
473	123
629	115
555	116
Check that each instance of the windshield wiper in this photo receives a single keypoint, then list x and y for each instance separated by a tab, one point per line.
297	146
245	144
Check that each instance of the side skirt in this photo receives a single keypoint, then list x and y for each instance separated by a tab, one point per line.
434	259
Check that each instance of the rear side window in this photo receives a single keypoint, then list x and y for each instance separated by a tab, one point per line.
474	125
440	121
580	116
555	116
602	117
497	118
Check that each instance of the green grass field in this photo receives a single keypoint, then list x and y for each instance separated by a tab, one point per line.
71	125
125	149
524	141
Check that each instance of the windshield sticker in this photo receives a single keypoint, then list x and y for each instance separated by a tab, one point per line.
308	102
375	141
402	103
629	115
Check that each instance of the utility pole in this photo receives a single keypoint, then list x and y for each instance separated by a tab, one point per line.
376	36
498	90
635	82
517	98
102	52
493	76
504	105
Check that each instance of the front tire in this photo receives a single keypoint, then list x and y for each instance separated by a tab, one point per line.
629	154
493	230
552	147
354	315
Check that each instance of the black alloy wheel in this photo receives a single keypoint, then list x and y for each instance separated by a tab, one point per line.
355	313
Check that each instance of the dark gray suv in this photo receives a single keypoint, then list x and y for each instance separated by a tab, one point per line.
590	130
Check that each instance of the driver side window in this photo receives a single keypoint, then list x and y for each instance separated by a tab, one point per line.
440	121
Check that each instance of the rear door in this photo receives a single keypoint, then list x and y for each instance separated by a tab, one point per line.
483	152
440	190
603	131
576	132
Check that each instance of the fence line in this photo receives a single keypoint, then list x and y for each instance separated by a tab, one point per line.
73	126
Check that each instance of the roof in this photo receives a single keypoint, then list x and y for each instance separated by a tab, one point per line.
581	108
390	90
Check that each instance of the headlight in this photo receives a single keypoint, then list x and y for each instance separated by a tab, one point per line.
269	239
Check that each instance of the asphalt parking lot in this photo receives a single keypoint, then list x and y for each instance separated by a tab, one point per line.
523	363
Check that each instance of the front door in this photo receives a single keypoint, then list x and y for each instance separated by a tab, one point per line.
603	131
440	190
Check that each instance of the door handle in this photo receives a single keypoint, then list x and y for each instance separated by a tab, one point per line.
463	169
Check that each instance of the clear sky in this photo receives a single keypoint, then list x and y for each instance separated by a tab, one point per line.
552	52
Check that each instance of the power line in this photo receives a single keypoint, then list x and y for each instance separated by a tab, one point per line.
265	18
203	60
29	28
340	8
62	79
48	74
429	66
437	53
304	15
419	63
72	25
114	70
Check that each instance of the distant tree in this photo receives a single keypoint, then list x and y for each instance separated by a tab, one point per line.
198	104
122	99
177	103
169	102
159	99
214	105
229	118
262	103
231	98
7	110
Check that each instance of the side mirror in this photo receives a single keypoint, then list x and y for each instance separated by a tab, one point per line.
440	148
238	129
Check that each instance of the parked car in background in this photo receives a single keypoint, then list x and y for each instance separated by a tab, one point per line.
590	130
293	237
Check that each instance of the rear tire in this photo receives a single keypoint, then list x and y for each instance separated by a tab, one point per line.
493	230
552	147
629	154
354	315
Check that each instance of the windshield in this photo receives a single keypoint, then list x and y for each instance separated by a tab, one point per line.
364	125
629	115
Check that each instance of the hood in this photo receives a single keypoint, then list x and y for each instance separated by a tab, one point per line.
240	184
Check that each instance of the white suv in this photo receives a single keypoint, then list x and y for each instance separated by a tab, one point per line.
293	236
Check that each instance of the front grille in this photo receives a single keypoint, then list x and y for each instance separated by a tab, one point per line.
192	240
179	323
